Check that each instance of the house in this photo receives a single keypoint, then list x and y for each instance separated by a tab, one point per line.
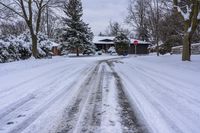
105	42
55	49
142	47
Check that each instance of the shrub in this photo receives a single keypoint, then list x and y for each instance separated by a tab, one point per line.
19	48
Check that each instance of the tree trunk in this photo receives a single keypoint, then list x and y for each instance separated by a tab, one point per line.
77	51
157	46
186	53
47	13
34	46
157	27
190	26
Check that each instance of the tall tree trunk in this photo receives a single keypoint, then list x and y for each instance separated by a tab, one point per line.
157	27
190	26
47	15
77	51
35	52
186	53
157	46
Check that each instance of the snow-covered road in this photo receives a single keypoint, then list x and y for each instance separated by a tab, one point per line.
63	95
100	94
30	93
101	105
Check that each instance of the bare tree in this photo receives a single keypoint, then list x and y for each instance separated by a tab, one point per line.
190	12
155	14
145	16
137	17
31	11
114	28
50	18
12	28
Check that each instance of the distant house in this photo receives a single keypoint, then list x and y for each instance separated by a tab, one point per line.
55	49
105	42
142	47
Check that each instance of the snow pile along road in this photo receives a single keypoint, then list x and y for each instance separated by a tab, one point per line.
164	90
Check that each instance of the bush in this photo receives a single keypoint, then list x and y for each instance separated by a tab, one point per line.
19	48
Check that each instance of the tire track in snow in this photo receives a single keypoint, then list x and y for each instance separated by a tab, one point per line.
13	106
39	65
85	113
167	90
6	90
31	118
157	107
129	119
189	105
169	80
76	113
92	118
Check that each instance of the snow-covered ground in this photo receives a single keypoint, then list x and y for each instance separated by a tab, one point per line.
165	90
86	93
34	93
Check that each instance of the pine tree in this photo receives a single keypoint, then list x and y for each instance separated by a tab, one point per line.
88	45
122	43
75	35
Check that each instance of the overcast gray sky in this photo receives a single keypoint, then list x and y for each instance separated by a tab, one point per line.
98	13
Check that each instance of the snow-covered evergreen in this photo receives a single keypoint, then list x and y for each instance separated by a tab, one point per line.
122	43
75	35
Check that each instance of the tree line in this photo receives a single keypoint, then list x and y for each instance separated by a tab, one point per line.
165	23
44	16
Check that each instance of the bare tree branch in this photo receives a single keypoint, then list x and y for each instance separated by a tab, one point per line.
11	9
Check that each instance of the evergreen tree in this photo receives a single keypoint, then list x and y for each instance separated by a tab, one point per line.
88	45
121	44
75	35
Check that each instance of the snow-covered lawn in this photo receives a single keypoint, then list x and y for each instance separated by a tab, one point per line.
165	90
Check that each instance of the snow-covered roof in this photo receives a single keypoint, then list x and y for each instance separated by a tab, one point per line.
103	39
110	40
55	44
139	41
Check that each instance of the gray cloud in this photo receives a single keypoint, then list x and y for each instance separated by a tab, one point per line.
98	13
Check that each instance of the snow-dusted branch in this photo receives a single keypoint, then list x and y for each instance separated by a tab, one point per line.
186	14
